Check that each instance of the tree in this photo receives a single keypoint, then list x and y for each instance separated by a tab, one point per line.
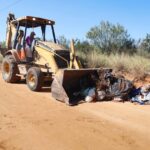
83	46
145	44
3	44
111	38
63	41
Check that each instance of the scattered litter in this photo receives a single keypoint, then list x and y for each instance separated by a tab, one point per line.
113	87
101	95
141	95
89	94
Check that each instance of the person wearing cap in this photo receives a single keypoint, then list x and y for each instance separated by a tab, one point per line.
30	39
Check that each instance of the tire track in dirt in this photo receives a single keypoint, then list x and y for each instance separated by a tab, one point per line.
35	121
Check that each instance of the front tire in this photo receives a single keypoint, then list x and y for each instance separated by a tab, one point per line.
10	70
34	79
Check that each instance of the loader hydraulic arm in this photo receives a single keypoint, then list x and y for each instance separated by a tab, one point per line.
74	63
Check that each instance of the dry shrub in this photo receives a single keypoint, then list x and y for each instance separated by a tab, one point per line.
1	58
139	66
95	59
135	64
118	62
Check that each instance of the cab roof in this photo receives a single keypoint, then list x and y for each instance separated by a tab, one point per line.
32	22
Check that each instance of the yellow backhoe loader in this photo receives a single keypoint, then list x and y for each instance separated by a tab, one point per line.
48	61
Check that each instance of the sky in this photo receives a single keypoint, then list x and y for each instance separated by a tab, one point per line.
74	18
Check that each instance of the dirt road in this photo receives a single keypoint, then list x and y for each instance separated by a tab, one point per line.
35	121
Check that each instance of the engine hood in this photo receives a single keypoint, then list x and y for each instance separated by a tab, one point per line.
51	45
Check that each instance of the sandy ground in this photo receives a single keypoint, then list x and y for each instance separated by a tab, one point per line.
35	121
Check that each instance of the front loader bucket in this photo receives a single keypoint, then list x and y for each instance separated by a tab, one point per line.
67	82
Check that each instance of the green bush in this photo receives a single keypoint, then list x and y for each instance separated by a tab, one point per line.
111	38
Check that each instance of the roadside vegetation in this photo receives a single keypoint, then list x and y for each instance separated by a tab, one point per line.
110	45
135	64
2	45
0	58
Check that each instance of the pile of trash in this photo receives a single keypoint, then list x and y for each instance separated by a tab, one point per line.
105	86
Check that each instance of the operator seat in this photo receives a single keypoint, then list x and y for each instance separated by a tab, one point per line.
19	44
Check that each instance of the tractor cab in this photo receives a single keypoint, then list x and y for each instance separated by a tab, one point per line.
23	28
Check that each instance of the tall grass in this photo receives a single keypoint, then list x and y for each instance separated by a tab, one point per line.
135	64
1	58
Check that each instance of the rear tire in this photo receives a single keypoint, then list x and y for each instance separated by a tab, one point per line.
10	70
34	79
